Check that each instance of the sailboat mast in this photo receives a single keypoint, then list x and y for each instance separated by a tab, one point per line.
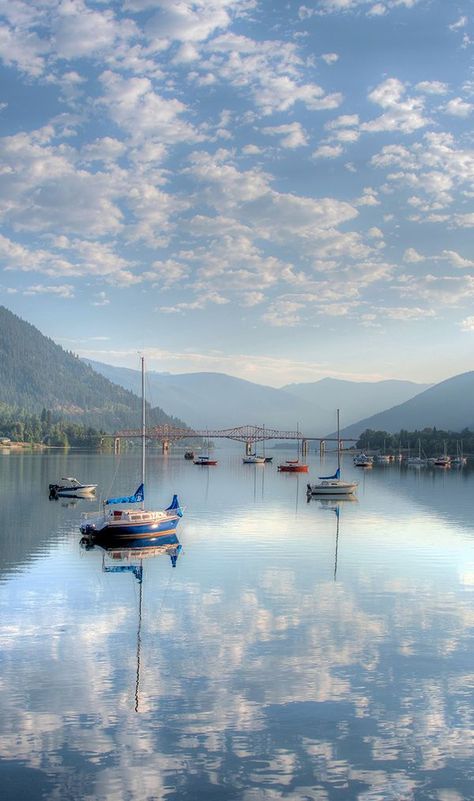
338	444
143	426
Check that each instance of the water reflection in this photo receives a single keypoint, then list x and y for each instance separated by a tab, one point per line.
315	651
117	559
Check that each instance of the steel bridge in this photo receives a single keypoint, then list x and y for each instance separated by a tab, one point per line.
249	435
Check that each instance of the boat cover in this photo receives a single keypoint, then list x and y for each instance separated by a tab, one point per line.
137	498
337	474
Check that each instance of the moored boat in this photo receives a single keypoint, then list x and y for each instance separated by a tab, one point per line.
127	522
205	461
362	460
293	466
252	458
70	486
333	485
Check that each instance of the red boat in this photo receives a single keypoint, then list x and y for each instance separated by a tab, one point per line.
205	461
293	466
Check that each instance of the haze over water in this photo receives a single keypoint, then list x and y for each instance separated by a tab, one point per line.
298	650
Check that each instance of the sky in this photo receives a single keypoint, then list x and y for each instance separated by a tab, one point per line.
275	190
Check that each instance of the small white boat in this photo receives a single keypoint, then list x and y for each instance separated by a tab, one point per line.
252	458
417	461
71	486
333	485
383	458
362	460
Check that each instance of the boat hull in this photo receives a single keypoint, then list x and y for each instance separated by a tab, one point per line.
293	468
119	530
341	490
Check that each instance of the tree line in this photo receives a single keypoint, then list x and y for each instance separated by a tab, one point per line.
433	441
47	428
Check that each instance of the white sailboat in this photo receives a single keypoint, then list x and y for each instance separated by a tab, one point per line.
333	485
126	522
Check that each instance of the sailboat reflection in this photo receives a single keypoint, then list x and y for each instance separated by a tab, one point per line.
334	506
130	560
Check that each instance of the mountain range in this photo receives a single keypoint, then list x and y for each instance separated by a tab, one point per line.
36	373
447	405
217	400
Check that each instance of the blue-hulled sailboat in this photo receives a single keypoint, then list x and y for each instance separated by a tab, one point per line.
129	522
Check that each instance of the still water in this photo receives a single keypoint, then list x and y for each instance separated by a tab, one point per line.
296	650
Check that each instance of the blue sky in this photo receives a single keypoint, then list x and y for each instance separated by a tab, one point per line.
276	190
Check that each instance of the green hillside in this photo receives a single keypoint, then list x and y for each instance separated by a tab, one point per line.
37	374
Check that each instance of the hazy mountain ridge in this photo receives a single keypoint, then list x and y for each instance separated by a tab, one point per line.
447	405
217	400
36	373
356	399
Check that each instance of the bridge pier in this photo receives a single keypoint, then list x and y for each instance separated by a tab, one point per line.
165	447
248	447
117	445
304	447
322	447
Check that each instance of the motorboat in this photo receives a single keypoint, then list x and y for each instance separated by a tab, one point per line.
362	460
205	461
293	466
72	487
127	521
383	458
189	455
333	485
252	458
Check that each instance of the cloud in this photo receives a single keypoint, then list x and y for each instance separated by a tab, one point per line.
411	256
293	134
432	87
467	324
403	113
327	152
457	107
142	113
62	291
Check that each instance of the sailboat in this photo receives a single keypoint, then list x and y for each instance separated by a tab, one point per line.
294	465
128	522
459	460
333	485
444	460
417	461
206	461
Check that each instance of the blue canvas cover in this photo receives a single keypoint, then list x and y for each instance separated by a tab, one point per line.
337	474
137	498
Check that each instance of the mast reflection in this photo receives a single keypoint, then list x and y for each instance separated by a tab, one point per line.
119	559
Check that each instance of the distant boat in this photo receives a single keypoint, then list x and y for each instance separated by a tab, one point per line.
444	460
417	461
459	460
125	522
189	455
252	458
333	485
293	466
70	486
205	461
383	458
362	460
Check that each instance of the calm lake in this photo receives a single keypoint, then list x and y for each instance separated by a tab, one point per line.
300	650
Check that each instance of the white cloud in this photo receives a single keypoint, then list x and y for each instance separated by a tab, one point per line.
330	58
457	107
62	291
411	256
461	23
456	259
467	324
80	31
432	87
327	152
403	113
292	134
142	113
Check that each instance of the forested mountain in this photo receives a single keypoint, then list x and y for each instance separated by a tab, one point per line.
447	405
37	374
